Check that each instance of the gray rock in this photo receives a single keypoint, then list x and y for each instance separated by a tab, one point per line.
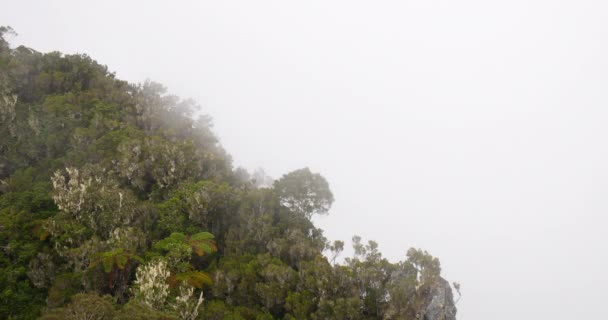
441	302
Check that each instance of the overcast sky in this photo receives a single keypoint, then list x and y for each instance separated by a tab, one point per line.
476	130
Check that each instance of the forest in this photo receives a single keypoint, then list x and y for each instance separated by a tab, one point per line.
117	201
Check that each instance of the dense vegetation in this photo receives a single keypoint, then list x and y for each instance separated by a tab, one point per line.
116	204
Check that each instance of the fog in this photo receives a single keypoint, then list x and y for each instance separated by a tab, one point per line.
475	130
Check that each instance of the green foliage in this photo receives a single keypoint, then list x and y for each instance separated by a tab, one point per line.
137	310
193	278
96	173
64	286
218	310
304	193
84	306
178	247
195	207
118	258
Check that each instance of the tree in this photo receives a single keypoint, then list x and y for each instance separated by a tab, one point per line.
186	303
180	247
84	306
137	310
150	285
5	30
371	272
117	264
304	193
335	248
90	196
96	173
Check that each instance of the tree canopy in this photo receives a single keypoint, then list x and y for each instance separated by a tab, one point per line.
115	203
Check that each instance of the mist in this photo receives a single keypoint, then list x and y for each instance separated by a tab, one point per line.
474	130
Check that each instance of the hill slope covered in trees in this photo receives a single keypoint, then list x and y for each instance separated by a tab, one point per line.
116	204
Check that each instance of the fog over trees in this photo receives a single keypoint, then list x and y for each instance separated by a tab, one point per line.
470	129
115	203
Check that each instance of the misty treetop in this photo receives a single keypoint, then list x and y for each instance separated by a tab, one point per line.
115	203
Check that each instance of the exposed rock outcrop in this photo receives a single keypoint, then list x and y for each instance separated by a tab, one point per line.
440	305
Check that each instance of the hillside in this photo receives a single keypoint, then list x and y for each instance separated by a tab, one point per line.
116	203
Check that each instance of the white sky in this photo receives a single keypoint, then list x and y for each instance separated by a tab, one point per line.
473	129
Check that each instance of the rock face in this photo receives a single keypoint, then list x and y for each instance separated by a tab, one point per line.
441	302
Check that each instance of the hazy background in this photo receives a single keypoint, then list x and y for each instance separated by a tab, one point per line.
473	129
